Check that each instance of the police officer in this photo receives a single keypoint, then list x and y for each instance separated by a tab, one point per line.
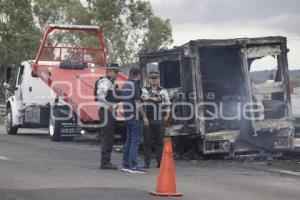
107	95
157	109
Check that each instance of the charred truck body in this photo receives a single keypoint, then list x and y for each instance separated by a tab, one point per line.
215	100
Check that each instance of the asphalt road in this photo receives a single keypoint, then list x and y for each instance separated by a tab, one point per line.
32	167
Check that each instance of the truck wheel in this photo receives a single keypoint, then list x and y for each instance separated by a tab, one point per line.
10	129
54	130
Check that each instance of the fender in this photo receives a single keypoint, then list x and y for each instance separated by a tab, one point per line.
12	103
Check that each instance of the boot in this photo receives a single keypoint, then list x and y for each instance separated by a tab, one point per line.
147	165
108	166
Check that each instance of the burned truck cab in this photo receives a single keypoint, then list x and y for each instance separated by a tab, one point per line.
217	98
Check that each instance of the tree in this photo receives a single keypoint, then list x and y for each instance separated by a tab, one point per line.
18	34
19	37
130	27
158	35
60	12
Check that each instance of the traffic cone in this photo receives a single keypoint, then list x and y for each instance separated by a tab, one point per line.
166	182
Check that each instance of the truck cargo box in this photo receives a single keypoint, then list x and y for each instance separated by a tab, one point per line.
216	99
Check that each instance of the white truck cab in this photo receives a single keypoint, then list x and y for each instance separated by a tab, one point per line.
33	105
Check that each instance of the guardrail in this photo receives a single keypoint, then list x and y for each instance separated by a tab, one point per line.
2	110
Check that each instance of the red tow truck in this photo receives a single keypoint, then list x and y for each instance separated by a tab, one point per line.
71	58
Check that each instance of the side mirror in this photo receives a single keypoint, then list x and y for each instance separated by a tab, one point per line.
8	75
6	85
34	75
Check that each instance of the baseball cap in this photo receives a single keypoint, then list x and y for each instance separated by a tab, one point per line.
113	66
153	74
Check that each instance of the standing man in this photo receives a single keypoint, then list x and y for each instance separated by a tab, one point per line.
134	116
106	94
157	108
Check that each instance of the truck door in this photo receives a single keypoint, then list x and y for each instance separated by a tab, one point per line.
220	93
18	88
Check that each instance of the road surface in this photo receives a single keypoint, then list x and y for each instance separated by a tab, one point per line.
32	167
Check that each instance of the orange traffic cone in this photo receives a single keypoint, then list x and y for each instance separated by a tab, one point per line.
166	182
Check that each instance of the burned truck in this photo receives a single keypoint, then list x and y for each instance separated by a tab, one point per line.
215	100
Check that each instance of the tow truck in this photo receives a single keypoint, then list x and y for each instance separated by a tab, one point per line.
56	90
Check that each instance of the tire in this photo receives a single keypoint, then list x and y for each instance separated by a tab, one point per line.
10	129
53	129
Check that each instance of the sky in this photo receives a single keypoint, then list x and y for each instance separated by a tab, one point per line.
216	19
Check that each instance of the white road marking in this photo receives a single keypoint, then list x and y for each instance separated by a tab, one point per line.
4	158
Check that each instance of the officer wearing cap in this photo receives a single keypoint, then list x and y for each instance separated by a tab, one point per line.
106	94
157	109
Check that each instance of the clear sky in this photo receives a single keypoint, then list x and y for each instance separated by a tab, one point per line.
213	19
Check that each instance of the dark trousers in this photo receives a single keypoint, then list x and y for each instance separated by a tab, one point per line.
107	133
154	133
